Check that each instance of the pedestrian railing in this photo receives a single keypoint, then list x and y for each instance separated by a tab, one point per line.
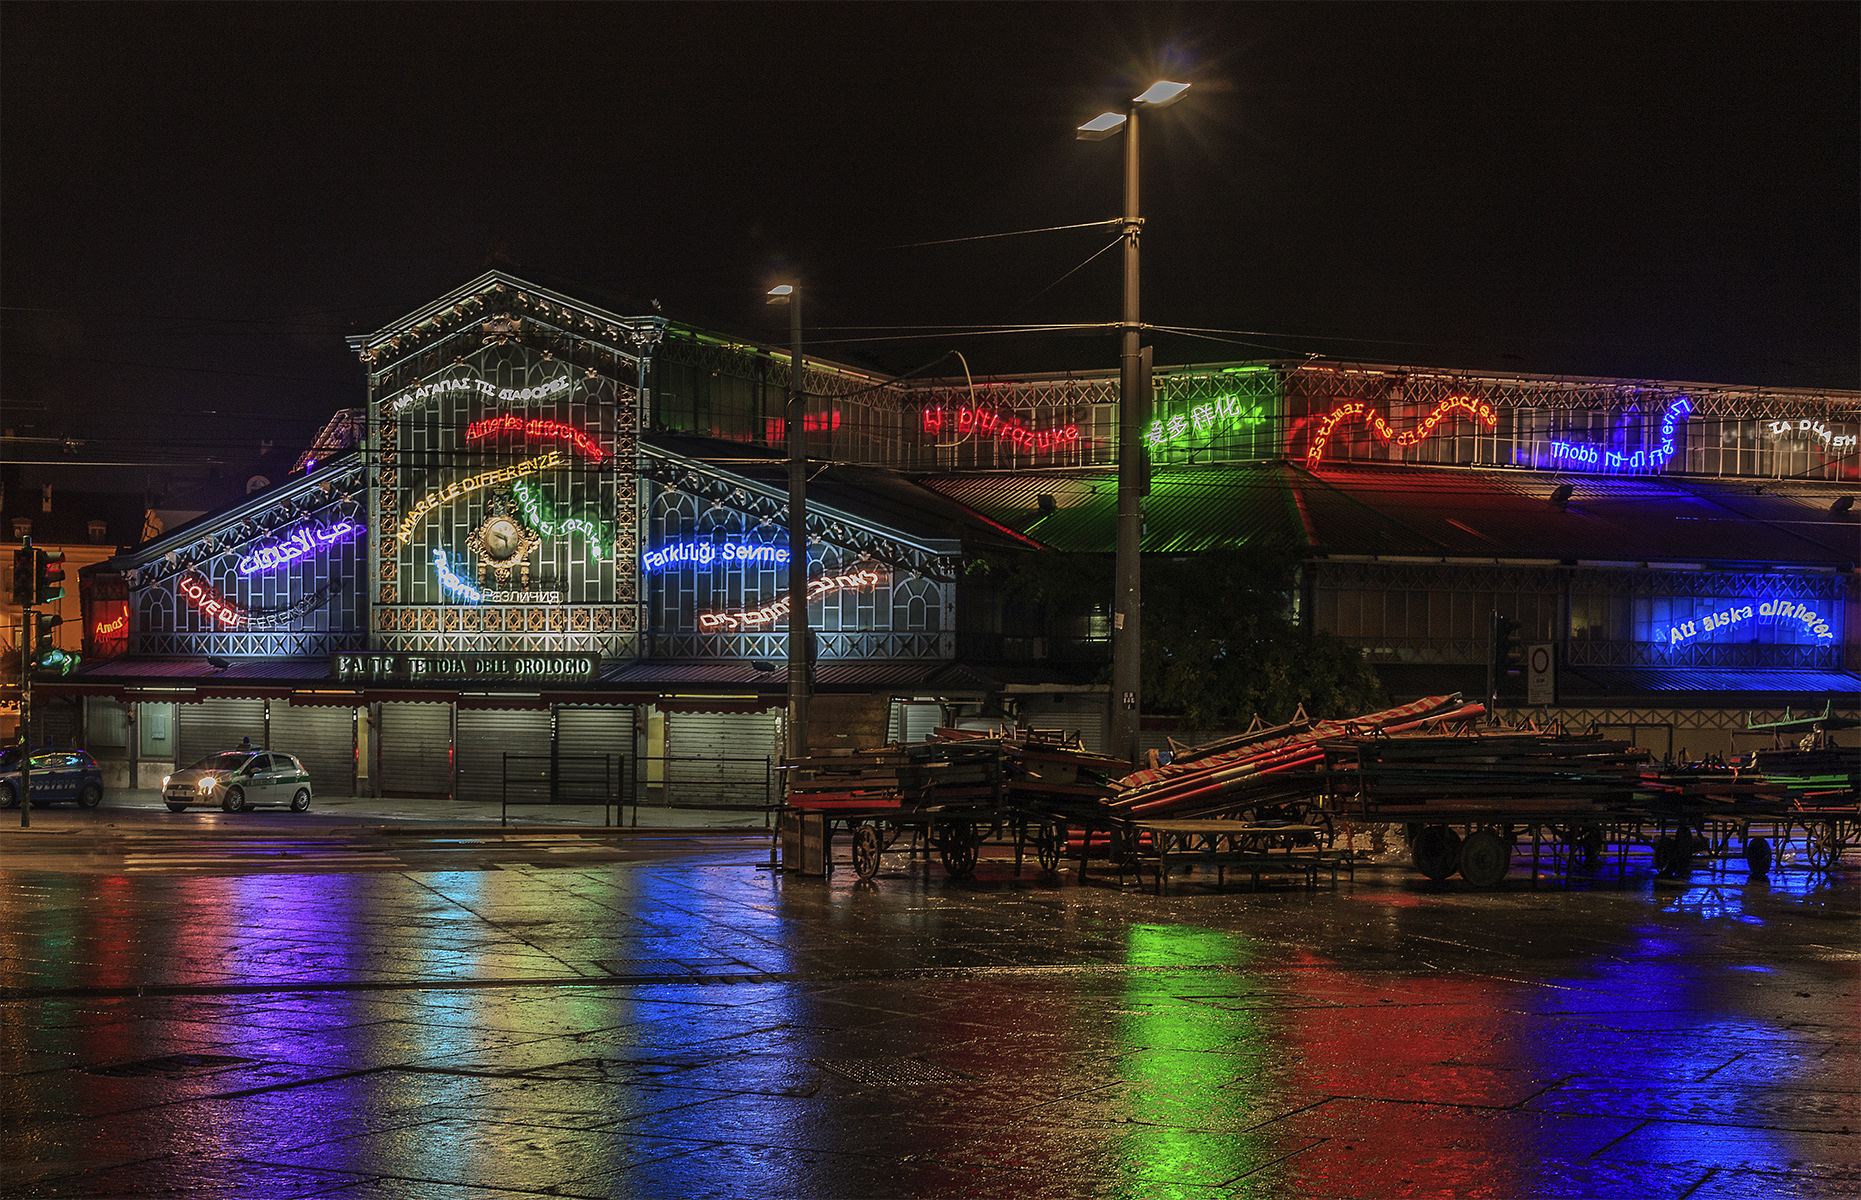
696	781
565	779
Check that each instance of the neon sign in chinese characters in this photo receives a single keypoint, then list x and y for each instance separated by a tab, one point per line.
1585	456
821	585
534	429
1465	406
704	554
477	387
1206	419
983	422
1814	624
433	499
300	543
210	602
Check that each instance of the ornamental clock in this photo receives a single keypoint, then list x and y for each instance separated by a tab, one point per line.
503	543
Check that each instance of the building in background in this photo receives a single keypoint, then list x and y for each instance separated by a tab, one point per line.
557	533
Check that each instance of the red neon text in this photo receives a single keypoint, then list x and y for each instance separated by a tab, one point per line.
1466	406
534	429
984	422
108	629
211	602
821	585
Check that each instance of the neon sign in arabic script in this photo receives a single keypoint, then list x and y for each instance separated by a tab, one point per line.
1814	624
300	543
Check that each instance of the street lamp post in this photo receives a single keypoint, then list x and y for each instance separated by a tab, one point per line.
1127	592
800	649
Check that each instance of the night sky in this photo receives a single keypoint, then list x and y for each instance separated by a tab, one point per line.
198	202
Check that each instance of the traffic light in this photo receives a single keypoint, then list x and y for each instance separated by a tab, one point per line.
46	656
24	567
48	576
1505	654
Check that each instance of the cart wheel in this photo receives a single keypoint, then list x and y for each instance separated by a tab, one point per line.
958	850
1051	846
1484	857
1436	852
1820	846
1758	855
866	851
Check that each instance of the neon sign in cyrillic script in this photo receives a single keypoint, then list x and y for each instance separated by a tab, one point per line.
983	422
294	547
705	554
534	429
821	585
471	386
1814	624
484	479
1464	406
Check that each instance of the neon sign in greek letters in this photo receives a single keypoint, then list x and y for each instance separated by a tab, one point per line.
862	580
534	429
433	499
1203	420
1813	623
705	554
983	422
294	547
477	387
1465	406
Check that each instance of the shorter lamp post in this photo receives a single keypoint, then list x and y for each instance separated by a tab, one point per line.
799	644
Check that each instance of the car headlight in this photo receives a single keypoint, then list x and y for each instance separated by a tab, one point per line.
208	785
165	780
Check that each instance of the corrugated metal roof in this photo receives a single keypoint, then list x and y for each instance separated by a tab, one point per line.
669	673
283	671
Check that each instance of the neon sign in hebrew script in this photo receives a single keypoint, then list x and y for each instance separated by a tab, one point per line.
484	479
862	580
1208	418
1464	406
300	543
534	429
705	554
983	422
1587	457
1814	624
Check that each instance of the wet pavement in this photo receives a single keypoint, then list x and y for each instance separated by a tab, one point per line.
696	1025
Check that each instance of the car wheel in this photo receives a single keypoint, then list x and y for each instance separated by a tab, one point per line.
234	801
91	796
301	801
173	807
9	796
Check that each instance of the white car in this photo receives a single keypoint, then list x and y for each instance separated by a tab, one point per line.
240	779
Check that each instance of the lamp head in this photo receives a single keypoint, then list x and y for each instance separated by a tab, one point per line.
1162	94
1101	127
781	293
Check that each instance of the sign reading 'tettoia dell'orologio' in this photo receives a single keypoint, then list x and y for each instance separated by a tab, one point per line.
465	665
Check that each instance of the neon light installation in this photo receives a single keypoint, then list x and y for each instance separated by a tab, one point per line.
1814	624
449	580
477	387
432	500
211	602
110	629
533	505
294	547
1465	406
534	429
1204	419
704	554
1585	456
1808	429
862	580
983	422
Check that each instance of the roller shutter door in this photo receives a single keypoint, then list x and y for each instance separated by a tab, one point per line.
1069	712
914	721
416	749
323	739
215	725
54	723
584	736
485	737
721	758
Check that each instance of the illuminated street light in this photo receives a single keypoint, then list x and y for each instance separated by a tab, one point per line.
1127	595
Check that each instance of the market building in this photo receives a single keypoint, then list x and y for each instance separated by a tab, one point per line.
557	532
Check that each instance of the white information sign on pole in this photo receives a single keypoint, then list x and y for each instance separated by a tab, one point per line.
1540	674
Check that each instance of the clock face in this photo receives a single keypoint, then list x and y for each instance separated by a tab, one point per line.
502	539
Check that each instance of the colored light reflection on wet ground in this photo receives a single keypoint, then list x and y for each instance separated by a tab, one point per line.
705	1028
